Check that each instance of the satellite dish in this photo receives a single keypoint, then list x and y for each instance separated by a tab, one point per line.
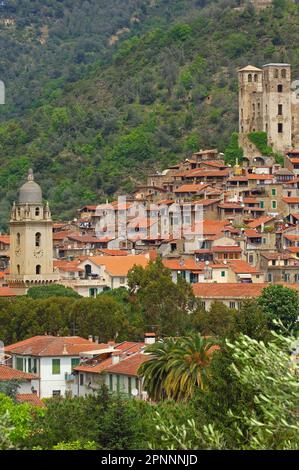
135	392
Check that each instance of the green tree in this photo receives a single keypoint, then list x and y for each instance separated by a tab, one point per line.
280	304
177	367
53	290
162	302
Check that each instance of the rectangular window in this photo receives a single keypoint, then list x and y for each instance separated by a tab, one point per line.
110	382
232	305
280	109
273	192
117	383
270	277
280	128
75	361
222	273
81	379
20	363
130	385
56	393
274	204
55	366
262	204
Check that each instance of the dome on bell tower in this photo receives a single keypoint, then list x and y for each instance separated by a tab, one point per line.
30	192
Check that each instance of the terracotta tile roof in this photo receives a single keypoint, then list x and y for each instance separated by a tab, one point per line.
290	200
94	366
109	252
6	292
294	159
251	233
5	239
120	265
63	234
67	266
255	176
52	346
215	163
190	188
291	236
260	221
129	365
8	373
183	265
240	266
293	249
30	398
228	290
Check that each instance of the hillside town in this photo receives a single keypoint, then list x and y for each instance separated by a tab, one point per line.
228	230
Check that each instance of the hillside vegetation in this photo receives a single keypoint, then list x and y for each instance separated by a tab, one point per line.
164	89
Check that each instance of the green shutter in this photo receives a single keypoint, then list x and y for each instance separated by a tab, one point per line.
55	366
75	362
20	363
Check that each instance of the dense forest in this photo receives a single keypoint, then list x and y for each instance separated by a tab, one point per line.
98	94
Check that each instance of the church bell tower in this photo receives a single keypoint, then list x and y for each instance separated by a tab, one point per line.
31	245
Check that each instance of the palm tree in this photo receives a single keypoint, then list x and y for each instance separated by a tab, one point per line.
155	370
189	366
177	367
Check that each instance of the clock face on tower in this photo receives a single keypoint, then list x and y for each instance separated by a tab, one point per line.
38	252
18	251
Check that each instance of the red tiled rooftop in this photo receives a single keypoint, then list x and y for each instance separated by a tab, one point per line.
52	346
8	373
129	365
30	398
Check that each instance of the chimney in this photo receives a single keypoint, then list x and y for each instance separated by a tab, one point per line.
116	357
90	338
149	338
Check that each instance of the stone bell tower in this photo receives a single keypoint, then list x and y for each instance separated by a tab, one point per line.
31	245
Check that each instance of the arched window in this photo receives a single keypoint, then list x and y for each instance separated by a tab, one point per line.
255	77
250	78
18	239
279	88
38	269
18	268
19	211
283	73
37	239
37	211
276	73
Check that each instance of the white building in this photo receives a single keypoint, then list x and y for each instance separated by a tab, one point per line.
52	359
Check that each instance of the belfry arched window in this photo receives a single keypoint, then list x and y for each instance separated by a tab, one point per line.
255	77
37	211
18	239
250	77
38	239
283	73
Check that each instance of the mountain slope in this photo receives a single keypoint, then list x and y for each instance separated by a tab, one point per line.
160	94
